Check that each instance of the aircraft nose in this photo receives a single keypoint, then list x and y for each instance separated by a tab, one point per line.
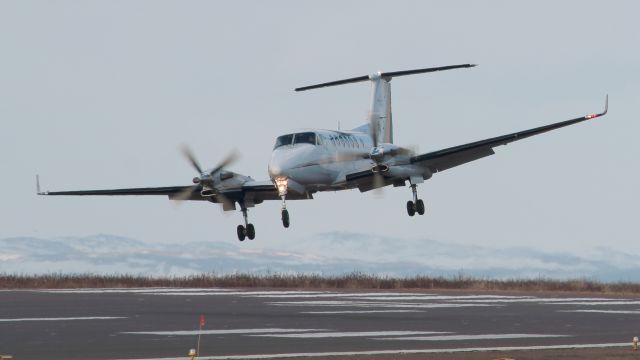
275	169
284	161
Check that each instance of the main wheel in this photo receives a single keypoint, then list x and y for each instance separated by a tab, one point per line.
285	218
411	208
241	233
251	232
420	207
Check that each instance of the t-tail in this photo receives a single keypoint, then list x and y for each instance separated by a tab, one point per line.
380	124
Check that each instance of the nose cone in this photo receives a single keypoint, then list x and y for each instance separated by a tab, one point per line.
285	160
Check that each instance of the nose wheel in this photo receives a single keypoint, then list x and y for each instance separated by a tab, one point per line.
285	218
417	205
247	230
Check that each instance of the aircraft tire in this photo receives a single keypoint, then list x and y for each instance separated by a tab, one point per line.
411	208
420	207
285	218
251	232
241	233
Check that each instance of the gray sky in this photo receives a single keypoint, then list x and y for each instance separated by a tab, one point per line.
100	95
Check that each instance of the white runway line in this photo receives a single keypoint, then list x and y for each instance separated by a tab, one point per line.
405	351
239	293
360	312
476	298
603	311
219	332
617	302
462	337
65	318
319	335
562	301
129	290
359	304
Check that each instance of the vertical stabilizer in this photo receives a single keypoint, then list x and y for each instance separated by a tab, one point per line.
380	120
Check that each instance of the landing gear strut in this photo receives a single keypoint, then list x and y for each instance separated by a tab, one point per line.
247	230
282	184
417	205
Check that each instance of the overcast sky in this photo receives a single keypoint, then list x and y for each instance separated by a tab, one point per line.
101	94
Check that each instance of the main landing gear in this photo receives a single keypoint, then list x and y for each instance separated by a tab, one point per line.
246	231
417	205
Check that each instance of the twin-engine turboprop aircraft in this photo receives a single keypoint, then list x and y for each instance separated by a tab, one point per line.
311	161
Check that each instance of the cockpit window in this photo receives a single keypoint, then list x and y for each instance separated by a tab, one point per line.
307	138
284	140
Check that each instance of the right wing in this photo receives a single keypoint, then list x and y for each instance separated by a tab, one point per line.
257	191
451	157
170	191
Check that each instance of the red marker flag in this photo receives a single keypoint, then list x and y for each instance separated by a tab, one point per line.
202	322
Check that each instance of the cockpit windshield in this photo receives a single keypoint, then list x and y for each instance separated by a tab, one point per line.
299	138
284	140
306	137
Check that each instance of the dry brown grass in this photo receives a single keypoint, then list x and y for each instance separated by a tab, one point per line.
305	281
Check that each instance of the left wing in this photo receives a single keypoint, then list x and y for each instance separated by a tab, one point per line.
451	157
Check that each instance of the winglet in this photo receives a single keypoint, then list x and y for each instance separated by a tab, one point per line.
606	108
39	192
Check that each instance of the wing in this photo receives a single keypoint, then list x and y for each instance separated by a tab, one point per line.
451	157
253	191
170	191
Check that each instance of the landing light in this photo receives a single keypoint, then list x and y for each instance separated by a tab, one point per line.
281	184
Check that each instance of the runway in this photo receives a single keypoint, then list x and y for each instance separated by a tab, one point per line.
162	323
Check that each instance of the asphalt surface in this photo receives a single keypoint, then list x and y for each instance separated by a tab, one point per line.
163	323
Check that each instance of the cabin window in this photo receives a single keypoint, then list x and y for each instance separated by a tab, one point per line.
305	138
284	140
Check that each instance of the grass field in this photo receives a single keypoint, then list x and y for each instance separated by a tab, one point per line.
306	281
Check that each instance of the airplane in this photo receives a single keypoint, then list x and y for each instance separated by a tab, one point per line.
309	161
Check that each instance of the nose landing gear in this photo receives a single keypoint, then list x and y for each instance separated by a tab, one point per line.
282	184
246	231
417	205
285	213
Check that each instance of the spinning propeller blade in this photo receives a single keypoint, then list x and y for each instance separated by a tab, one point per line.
186	151
231	158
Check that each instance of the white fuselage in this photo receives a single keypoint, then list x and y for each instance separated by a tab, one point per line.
319	160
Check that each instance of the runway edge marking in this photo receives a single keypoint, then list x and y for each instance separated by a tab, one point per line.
393	352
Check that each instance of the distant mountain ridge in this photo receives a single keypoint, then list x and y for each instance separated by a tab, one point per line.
327	253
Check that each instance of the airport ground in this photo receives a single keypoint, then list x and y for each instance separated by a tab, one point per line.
162	323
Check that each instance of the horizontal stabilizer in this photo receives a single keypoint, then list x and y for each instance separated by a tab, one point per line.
386	75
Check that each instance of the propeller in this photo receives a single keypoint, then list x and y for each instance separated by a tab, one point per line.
203	177
206	179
